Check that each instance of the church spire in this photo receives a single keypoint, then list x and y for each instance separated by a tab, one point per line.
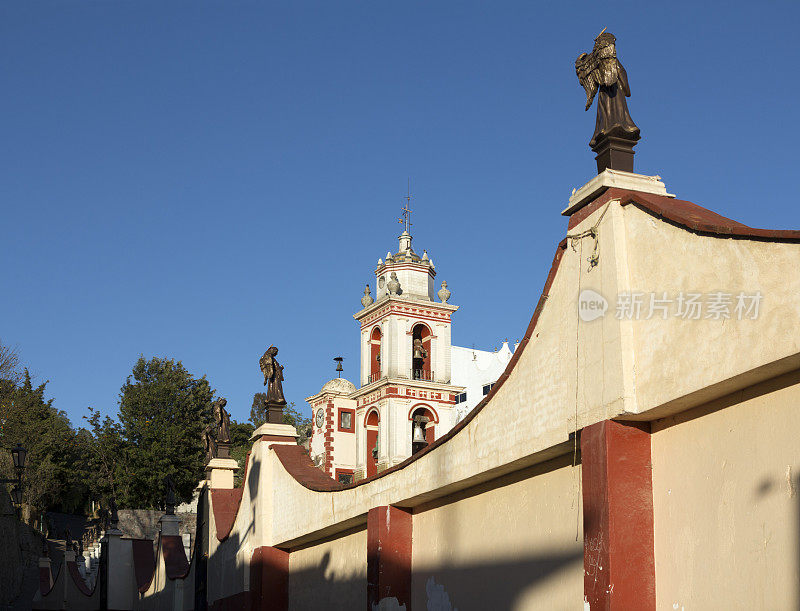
405	237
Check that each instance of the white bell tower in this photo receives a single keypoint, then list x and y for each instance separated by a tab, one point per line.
405	358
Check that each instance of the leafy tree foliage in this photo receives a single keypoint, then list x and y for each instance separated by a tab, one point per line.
162	411
240	446
56	472
107	457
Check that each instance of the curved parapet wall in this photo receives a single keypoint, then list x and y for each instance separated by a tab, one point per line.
573	369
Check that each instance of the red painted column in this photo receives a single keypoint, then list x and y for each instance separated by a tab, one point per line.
618	560
269	579
388	555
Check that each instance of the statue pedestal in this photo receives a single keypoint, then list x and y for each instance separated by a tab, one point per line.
613	179
275	413
614	153
276	433
219	472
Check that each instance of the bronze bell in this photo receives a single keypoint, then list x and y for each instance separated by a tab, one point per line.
419	351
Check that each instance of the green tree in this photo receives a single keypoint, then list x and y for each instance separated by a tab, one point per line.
162	411
240	446
107	456
56	471
258	411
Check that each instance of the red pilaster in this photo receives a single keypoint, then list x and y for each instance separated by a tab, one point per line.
388	555
619	565
269	579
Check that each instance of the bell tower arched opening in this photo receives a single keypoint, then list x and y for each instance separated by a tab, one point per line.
374	355
430	433
371	424
421	352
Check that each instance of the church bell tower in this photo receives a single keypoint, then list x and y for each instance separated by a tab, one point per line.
405	358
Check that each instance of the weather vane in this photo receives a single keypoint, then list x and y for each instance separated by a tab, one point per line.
406	220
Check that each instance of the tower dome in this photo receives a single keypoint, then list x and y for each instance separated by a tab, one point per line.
339	385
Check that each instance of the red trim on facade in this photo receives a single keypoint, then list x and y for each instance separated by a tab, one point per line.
277	438
413	315
388	555
269	579
370	411
144	563
298	463
328	445
45	580
618	557
225	504
685	214
352	413
344	472
424	406
175	562
405	265
72	569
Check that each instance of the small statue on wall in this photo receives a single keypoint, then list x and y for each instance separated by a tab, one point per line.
273	380
615	133
273	376
222	420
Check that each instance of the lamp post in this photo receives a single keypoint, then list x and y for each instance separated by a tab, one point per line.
18	455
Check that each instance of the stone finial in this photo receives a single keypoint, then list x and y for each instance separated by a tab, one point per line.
425	255
380	261
405	242
393	285
389	258
367	299
443	293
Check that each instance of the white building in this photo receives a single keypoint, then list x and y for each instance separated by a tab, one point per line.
408	369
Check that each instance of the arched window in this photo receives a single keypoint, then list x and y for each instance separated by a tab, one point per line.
371	424
421	353
430	433
374	355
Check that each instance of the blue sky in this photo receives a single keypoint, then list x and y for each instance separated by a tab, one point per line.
200	180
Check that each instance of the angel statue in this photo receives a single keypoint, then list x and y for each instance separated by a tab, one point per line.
223	420
273	376
600	71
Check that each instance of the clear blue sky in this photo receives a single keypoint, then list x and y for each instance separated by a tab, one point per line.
200	180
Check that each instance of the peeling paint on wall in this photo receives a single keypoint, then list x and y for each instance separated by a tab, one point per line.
438	600
389	604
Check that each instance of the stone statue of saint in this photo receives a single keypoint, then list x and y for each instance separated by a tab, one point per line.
601	71
273	376
223	421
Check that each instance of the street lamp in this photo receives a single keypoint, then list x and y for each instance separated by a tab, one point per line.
18	455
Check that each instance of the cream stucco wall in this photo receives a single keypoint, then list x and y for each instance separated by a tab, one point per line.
726	508
513	544
331	574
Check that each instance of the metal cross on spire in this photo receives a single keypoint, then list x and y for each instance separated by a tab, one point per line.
406	220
